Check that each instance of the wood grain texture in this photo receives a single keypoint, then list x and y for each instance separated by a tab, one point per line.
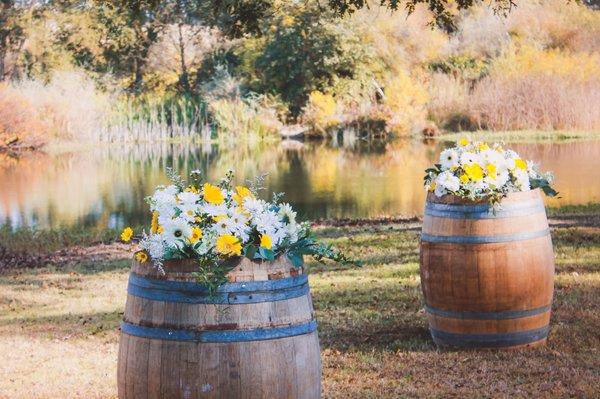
288	367
478	294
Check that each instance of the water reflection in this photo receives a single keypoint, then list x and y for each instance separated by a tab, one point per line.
106	186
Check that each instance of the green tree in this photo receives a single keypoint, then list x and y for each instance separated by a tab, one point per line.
11	32
443	11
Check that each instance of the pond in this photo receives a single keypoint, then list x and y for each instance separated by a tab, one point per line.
106	186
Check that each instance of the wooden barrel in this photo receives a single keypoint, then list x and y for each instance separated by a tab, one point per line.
487	278
257	338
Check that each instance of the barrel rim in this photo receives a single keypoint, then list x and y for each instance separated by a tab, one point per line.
452	199
236	293
219	336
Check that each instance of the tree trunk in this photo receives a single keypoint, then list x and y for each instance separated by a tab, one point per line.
184	80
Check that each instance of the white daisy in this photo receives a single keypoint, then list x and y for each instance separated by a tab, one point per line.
449	159
212	209
522	180
255	206
188	211
468	158
287	213
448	181
176	232
188	198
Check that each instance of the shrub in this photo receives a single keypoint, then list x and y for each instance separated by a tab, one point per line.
480	33
405	101
321	111
556	24
70	104
528	60
20	123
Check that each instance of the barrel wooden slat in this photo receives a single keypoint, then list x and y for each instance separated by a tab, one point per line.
167	347
487	277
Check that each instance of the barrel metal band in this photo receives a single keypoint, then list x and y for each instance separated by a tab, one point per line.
259	334
489	340
230	293
482	211
504	315
484	239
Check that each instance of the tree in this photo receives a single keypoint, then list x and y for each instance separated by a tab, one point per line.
126	29
443	12
11	32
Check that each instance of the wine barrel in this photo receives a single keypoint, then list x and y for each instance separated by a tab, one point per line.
487	277
255	338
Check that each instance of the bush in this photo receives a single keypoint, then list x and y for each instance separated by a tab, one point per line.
321	111
20	123
529	60
69	105
405	100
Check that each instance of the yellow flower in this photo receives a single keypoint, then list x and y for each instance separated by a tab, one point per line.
141	256
464	178
287	21
520	164
218	218
213	194
491	170
463	142
474	171
265	241
192	189
160	230
127	234
241	194
228	244
483	147
196	235
432	187
154	224
190	213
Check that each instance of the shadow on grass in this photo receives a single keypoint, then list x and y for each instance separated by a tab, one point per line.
38	277
71	325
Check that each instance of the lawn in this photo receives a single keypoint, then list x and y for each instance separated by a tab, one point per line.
59	325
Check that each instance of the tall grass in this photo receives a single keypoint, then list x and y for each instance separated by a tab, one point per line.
67	107
147	120
541	102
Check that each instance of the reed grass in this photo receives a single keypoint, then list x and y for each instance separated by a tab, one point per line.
151	120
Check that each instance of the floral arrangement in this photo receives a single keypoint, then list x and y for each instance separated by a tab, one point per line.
215	224
477	171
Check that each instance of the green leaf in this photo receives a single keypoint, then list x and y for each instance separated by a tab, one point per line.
250	251
266	254
295	258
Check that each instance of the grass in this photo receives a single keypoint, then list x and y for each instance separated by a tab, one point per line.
525	136
59	326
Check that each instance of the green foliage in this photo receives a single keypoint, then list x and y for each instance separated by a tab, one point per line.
462	66
443	14
305	52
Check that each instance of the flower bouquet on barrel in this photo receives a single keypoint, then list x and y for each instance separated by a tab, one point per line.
487	263
218	300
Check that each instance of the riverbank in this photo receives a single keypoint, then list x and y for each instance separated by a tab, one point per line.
59	323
